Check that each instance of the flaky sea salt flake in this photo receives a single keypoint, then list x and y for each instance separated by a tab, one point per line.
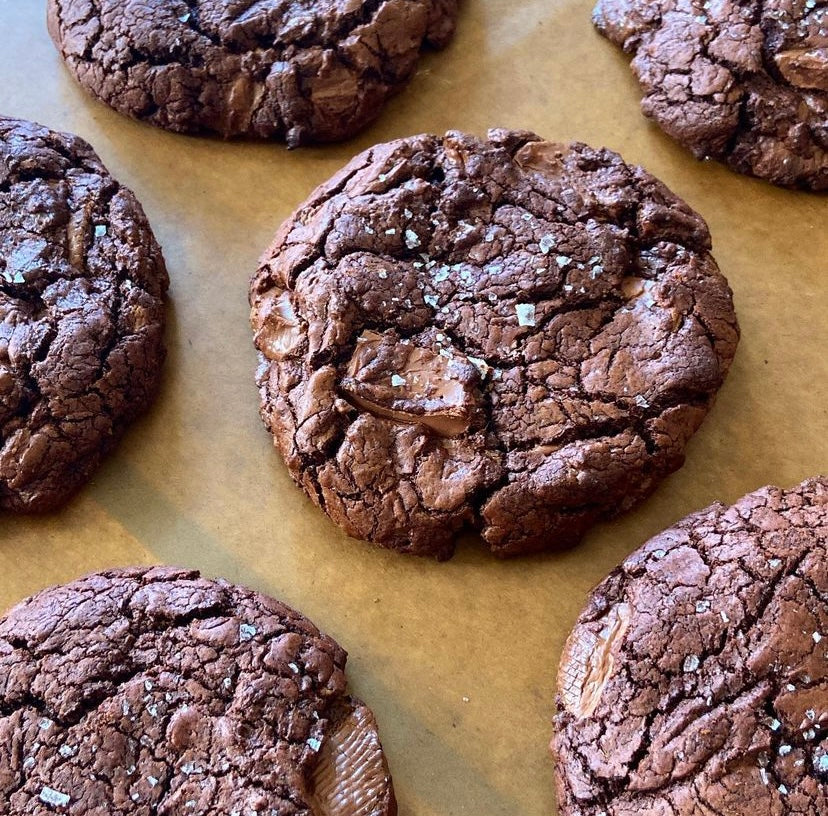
54	798
481	365
246	632
547	244
525	314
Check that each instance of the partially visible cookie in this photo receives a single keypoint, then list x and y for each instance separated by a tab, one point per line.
154	691
306	71
742	82
82	285
695	682
506	333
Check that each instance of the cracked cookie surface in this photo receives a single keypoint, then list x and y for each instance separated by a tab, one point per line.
695	682
155	692
82	285
511	334
298	70
745	82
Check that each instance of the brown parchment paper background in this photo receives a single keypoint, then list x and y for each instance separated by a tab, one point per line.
197	482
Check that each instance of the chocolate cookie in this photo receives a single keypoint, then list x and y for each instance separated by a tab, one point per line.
82	285
742	81
155	691
512	334
696	680
303	71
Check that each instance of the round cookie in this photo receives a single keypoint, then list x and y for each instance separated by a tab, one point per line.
511	334
154	691
695	682
304	71
742	82
82	285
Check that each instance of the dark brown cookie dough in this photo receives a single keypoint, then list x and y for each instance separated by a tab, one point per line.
506	333
82	285
744	82
298	70
695	682
155	692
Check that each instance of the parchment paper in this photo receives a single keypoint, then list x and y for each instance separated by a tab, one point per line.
458	659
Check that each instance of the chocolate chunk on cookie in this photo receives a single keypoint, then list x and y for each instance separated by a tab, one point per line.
304	71
696	679
742	82
507	333
82	285
155	691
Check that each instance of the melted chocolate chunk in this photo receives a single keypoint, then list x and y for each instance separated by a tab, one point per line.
394	378
511	334
280	331
351	776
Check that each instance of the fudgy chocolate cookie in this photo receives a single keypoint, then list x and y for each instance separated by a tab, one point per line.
155	691
696	680
506	333
299	70
742	81
82	285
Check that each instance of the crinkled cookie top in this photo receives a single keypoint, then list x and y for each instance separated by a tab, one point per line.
82	285
743	82
155	692
508	333
696	679
298	70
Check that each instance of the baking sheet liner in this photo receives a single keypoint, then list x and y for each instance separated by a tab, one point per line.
457	659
